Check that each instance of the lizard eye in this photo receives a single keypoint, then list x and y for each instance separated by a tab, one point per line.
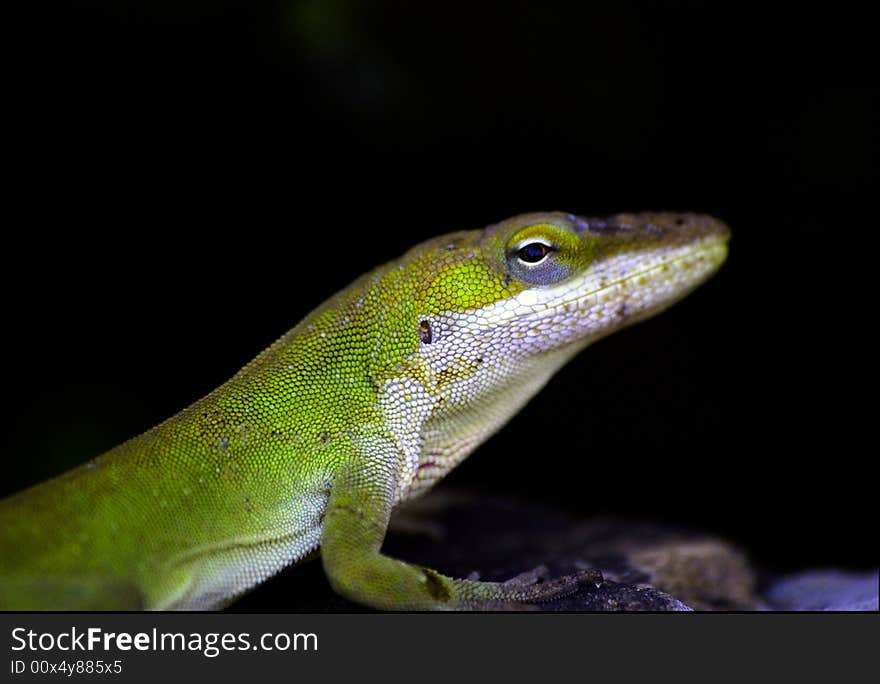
540	253
533	252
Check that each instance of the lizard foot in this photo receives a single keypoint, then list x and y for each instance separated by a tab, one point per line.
528	589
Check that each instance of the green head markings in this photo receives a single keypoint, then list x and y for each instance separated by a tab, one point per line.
475	269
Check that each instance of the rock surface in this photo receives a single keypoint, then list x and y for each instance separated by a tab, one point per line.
826	590
645	567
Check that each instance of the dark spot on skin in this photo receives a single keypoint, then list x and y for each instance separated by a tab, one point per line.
436	586
506	281
679	221
345	508
325	494
480	360
622	310
324	437
425	333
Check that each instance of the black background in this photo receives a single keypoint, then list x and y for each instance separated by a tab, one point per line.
191	178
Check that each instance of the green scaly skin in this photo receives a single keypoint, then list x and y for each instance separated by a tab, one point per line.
369	401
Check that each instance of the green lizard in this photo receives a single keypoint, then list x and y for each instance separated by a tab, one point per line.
368	402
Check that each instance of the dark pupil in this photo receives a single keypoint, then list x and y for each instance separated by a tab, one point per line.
533	252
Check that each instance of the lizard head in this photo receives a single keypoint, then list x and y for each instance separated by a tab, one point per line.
546	281
499	310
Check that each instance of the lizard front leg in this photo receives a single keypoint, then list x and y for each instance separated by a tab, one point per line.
355	524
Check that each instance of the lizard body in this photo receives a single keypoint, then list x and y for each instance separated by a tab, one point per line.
369	401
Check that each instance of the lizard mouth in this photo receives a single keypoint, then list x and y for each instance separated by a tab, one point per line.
633	287
643	276
703	258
